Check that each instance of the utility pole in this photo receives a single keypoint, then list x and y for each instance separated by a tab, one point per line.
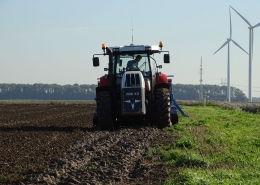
223	82
201	85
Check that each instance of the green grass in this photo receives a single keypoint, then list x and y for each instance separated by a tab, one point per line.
214	146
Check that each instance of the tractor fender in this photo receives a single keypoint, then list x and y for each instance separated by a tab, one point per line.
161	78
104	81
161	81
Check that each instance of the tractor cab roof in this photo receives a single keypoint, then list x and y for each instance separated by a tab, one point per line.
150	49
136	48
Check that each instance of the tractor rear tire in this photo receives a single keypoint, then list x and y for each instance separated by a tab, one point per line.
105	117
162	113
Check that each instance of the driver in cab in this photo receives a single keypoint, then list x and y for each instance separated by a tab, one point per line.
133	64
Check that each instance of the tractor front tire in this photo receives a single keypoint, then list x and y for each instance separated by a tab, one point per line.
105	117
162	112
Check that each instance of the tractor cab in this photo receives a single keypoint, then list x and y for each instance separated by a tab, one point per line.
121	56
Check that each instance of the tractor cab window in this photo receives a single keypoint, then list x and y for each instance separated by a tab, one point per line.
144	65
136	62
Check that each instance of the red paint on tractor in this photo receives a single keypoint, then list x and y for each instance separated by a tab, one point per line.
104	81
161	78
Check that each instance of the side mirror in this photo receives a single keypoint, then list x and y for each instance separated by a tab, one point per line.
95	61
120	63
166	58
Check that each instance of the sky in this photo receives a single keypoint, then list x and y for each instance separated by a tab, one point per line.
54	41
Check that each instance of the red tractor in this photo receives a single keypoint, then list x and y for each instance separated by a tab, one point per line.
133	90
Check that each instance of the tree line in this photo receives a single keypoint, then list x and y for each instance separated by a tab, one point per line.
47	91
87	92
211	92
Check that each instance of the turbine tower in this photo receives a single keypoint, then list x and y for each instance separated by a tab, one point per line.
228	60
251	47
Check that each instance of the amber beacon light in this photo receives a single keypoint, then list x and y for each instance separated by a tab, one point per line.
161	44
103	46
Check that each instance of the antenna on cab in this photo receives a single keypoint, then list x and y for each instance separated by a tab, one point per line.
132	32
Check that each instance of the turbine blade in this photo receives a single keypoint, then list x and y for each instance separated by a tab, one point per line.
222	46
238	46
242	17
256	25
230	24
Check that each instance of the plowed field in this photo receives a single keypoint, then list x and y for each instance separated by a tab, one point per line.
56	144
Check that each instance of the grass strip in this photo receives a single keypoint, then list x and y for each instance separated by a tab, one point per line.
214	146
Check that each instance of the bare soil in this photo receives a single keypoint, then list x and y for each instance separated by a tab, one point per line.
57	144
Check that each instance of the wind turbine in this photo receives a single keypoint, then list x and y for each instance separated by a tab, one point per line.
228	61
251	48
